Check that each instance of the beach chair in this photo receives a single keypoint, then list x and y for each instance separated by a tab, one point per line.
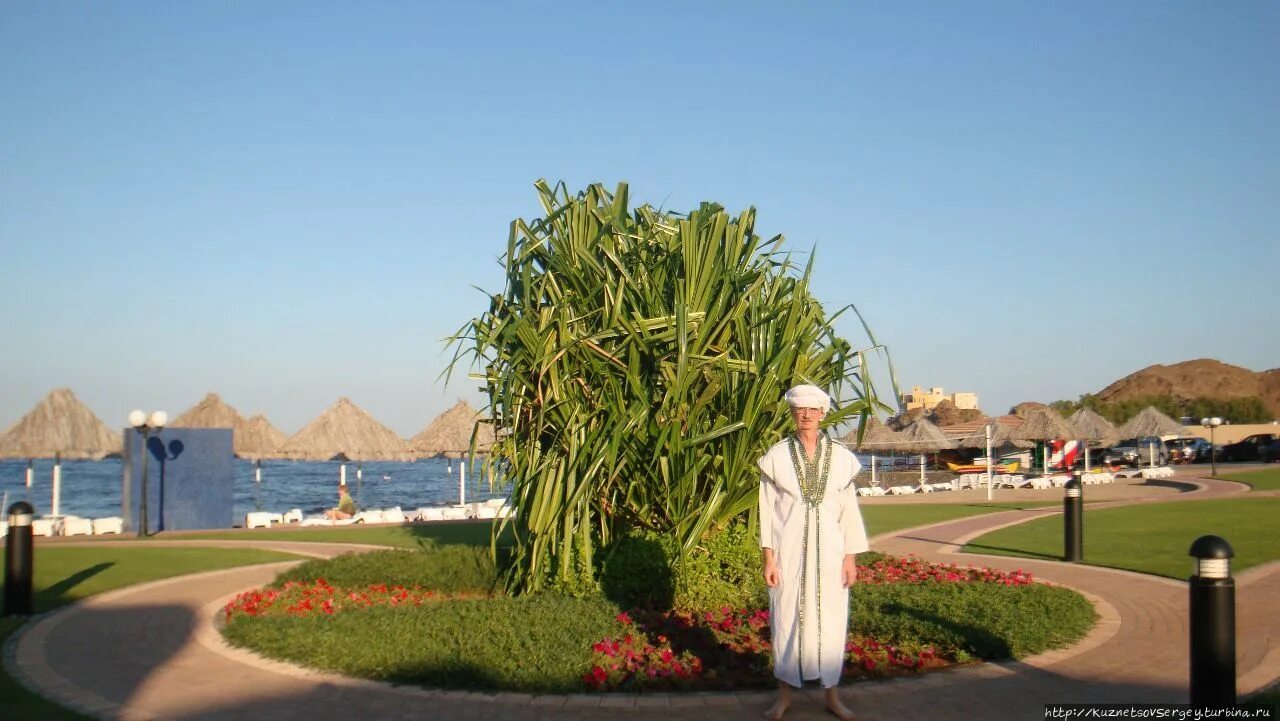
393	515
76	526
486	512
902	490
369	517
455	513
293	515
111	524
45	527
496	502
430	514
1014	482
1041	483
4	529
505	511
258	519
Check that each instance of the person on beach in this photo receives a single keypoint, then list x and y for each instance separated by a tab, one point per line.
810	532
346	507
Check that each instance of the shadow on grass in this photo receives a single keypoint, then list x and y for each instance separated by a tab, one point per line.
56	594
981	642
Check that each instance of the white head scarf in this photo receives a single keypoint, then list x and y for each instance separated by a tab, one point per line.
807	396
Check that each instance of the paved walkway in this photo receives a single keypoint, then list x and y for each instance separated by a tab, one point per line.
152	652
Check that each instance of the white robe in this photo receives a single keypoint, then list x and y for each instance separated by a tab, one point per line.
835	529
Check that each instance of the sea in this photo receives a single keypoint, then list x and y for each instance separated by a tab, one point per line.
91	489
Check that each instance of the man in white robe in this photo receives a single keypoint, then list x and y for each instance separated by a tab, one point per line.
810	531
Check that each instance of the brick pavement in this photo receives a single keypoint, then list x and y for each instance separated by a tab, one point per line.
152	652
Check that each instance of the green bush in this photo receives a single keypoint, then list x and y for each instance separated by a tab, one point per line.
448	569
984	620
723	570
643	571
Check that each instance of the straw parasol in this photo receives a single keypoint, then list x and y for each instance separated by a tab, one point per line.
345	431
1044	424
60	425
923	436
878	437
1001	437
1093	427
450	433
1150	422
260	440
213	412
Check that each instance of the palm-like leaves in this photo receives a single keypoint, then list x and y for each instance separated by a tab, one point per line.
635	366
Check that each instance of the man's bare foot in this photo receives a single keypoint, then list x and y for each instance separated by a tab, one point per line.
837	708
780	706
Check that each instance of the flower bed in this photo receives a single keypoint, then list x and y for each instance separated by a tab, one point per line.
907	616
732	647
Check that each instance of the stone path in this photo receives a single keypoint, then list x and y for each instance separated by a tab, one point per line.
152	652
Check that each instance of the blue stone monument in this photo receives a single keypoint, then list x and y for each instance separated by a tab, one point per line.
189	479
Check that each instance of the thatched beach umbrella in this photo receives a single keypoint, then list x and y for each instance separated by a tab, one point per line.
450	433
921	437
260	440
213	412
1094	430
345	432
877	439
60	426
1044	424
1150	422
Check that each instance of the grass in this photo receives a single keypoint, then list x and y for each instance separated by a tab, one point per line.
879	519
471	533
885	518
543	643
65	575
1150	538
1265	480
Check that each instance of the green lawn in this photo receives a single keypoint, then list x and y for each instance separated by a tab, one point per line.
885	518
879	519
1265	480
64	575
473	533
1150	538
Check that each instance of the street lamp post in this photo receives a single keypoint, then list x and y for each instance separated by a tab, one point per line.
1212	424
145	425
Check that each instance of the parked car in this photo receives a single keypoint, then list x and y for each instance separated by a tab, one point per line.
1189	449
1270	453
1137	452
1246	449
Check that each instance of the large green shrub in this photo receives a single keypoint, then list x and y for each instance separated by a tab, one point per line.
635	364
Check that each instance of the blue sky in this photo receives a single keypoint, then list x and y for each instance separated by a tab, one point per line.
288	202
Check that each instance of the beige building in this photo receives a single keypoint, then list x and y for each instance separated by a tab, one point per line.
927	399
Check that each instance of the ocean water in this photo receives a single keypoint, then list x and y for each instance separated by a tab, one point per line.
92	488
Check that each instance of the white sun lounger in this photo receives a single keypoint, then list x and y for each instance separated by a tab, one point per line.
486	512
76	526
111	524
393	515
293	515
902	490
4	529
46	527
430	513
455	513
374	516
258	519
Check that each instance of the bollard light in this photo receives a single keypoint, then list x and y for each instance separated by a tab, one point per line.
18	558
1213	623
1073	522
145	425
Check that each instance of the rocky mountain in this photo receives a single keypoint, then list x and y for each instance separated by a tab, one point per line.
1202	378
